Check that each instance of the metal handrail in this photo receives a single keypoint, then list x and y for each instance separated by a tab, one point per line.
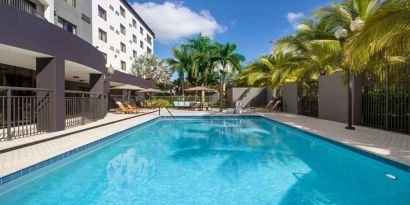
24	88
170	113
23	6
82	92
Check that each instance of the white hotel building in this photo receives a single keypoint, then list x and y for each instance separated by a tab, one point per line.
120	33
112	26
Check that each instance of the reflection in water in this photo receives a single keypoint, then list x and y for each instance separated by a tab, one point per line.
242	145
124	173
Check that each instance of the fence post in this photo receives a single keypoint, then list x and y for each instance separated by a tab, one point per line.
386	98
9	134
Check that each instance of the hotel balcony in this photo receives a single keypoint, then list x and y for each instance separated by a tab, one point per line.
34	7
49	79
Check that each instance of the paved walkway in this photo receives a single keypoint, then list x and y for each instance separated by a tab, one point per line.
390	145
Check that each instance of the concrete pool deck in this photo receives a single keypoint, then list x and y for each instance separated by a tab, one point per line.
389	145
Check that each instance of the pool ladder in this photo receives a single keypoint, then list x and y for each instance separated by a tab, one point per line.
168	112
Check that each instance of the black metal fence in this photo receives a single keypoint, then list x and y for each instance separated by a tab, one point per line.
308	98
84	107
24	112
386	99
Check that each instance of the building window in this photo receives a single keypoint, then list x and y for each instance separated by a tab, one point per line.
102	35
149	39
122	28
122	11
123	48
86	18
111	7
134	54
105	57
71	2
62	23
149	50
141	31
123	65
102	13
134	23
134	39
142	44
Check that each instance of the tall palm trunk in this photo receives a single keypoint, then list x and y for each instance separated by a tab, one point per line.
222	91
182	79
203	93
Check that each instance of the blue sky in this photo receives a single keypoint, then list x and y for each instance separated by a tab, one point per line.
251	24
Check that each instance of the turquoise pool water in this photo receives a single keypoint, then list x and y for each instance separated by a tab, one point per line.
213	160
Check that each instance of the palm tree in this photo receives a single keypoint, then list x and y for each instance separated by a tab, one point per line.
225	58
315	49
202	52
271	70
181	63
384	39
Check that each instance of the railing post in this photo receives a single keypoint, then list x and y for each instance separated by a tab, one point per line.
9	134
82	109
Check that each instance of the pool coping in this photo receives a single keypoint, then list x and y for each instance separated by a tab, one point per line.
15	175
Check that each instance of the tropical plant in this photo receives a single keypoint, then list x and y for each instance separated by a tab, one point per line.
160	102
181	63
226	60
270	70
377	37
202	53
152	68
384	39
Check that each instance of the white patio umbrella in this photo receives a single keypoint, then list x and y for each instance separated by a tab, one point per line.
150	91
200	89
127	87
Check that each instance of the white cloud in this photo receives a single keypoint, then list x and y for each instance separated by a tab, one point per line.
173	21
294	18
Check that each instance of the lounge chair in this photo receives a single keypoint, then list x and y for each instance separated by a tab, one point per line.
271	106
132	108
275	106
122	109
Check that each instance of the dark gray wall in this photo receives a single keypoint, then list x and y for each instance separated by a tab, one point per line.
121	77
254	97
333	98
290	97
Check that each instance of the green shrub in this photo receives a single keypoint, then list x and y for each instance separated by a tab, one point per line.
160	102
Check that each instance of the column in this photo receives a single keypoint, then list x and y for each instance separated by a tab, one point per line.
98	85
50	75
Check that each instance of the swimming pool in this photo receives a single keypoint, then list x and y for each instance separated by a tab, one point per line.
212	160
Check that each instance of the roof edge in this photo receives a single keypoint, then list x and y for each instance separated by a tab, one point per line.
138	17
